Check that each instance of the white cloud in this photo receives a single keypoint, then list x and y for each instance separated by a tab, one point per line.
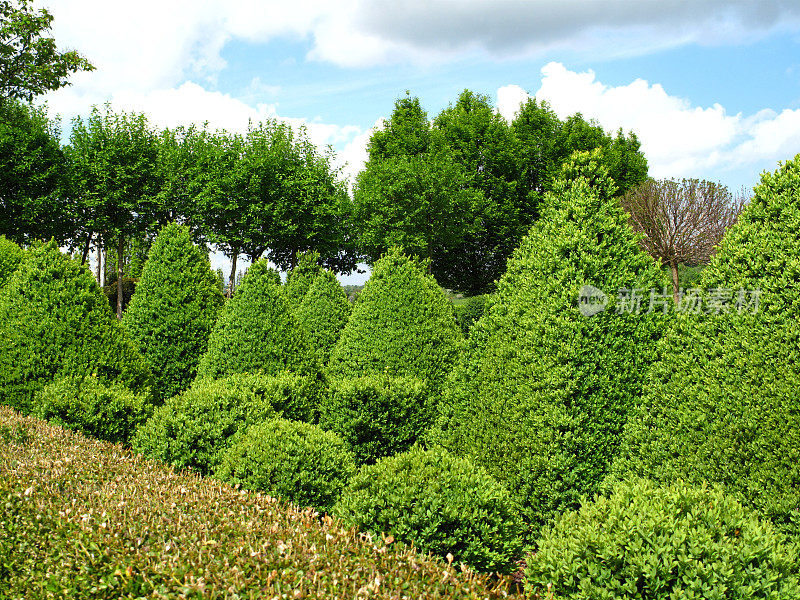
678	139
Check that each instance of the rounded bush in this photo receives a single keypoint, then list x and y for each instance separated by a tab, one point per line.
195	428
295	461
323	313
55	323
173	311
439	502
257	332
542	390
402	324
106	412
293	396
645	542
11	256
721	405
378	415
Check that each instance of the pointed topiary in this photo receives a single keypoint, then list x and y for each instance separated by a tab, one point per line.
722	405
257	332
402	325
173	311
300	279
10	258
323	313
542	391
55	322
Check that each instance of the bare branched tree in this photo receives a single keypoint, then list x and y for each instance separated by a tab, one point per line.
682	221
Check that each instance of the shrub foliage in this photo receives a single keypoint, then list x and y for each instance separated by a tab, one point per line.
54	323
10	257
402	324
441	503
257	331
378	415
722	402
174	309
295	461
542	391
647	543
323	313
301	278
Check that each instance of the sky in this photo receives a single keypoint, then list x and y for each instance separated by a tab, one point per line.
710	87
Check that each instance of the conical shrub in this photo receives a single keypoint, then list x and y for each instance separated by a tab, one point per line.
300	279
402	325
722	405
173	311
10	258
257	332
323	313
544	387
54	323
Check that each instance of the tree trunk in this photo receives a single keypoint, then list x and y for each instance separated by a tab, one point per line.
120	252
100	261
85	254
673	266
232	281
293	259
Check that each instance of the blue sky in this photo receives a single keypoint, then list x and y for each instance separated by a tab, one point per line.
711	87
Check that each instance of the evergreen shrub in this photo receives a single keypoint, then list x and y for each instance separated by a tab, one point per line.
441	503
173	311
645	542
55	323
257	332
323	313
10	258
107	412
301	278
295	461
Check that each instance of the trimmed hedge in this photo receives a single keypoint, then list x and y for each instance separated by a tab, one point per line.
644	542
323	313
301	278
439	502
84	519
378	415
195	428
402	324
109	413
11	256
257	332
55	323
295	461
542	392
722	402
173	311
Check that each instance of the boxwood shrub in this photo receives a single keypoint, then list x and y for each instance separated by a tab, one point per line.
441	503
295	461
107	412
323	313
10	258
645	542
378	415
173	311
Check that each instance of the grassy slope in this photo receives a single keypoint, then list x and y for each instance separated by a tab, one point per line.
86	519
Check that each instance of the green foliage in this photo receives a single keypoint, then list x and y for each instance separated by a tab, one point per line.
293	396
107	412
35	199
722	402
644	542
54	323
30	64
323	314
11	256
402	324
378	415
257	332
298	462
195	428
87	520
300	279
542	392
470	311
174	309
439	502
